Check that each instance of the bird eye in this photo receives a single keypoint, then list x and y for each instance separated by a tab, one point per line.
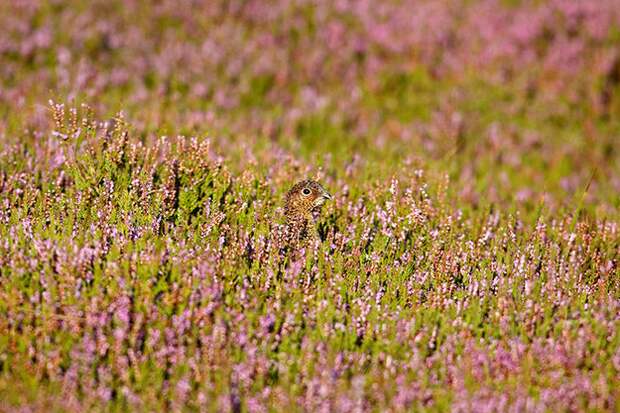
306	191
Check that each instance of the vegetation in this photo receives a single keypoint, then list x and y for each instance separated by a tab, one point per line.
468	260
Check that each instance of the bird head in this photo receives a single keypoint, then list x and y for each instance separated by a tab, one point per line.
303	198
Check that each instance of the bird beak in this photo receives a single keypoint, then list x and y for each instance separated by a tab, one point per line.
321	199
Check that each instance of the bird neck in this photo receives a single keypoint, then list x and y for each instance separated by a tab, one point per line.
299	220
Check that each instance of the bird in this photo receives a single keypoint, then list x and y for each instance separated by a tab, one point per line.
302	200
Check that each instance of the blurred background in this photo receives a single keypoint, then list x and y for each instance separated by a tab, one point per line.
516	100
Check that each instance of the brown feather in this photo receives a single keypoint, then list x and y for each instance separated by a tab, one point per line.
300	201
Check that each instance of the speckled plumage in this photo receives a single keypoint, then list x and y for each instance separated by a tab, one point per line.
301	201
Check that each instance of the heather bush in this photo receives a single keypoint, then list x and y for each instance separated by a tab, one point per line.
467	262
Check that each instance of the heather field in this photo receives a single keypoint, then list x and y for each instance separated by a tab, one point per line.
469	258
